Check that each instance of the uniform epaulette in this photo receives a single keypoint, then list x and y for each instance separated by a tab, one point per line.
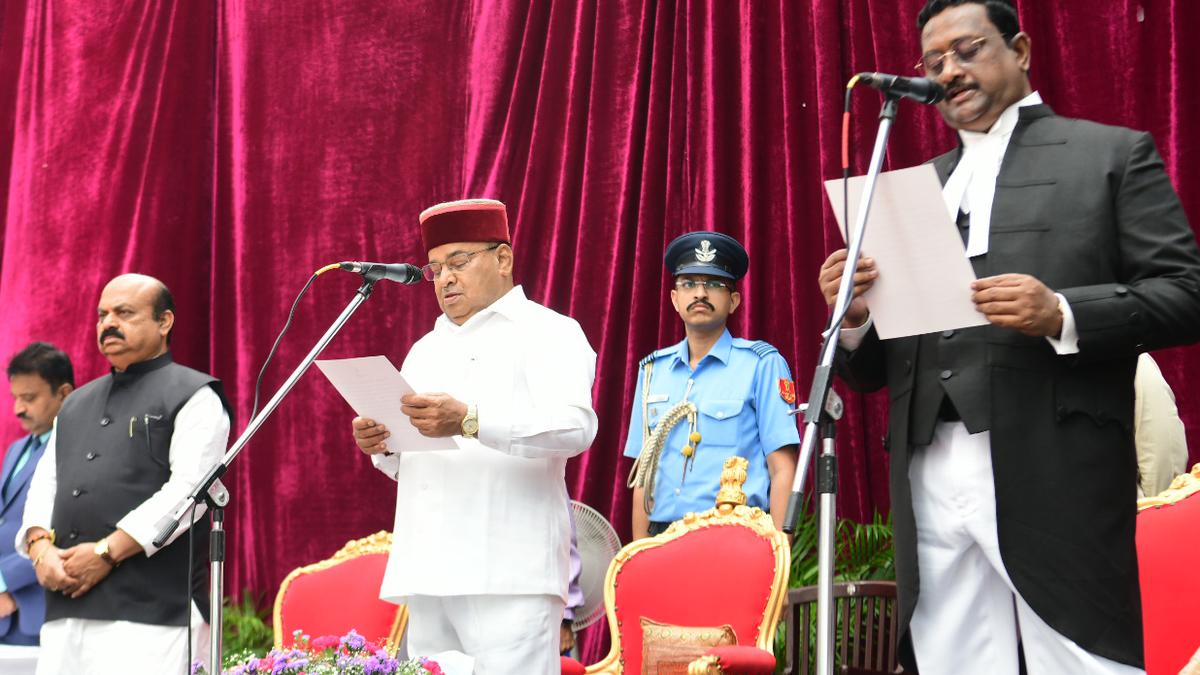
654	355
763	349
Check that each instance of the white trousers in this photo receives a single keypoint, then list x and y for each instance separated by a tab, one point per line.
969	615
505	634
90	647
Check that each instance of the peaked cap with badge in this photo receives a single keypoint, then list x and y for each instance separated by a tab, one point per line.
704	252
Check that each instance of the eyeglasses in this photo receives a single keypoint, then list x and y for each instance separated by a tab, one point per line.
964	51
708	284
457	263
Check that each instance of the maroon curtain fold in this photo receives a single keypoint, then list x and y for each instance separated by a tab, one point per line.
232	148
109	166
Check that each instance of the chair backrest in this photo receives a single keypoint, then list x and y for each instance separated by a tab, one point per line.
864	628
728	565
332	596
1168	558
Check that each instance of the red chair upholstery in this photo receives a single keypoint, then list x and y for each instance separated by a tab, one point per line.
335	595
736	659
728	565
571	666
1168	560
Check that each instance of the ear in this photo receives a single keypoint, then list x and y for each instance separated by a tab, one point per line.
675	299
1023	46
504	255
735	299
63	390
165	322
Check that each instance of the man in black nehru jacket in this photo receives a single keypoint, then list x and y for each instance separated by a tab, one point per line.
125	449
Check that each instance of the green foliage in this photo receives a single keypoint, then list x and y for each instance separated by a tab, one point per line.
247	628
863	552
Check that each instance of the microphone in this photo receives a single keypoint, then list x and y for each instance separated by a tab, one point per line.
920	89
401	273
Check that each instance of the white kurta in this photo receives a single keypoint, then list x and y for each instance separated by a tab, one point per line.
90	646
491	517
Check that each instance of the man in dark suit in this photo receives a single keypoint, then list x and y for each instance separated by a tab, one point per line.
1013	472
41	377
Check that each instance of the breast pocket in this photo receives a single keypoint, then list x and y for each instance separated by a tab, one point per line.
492	377
655	412
719	421
152	438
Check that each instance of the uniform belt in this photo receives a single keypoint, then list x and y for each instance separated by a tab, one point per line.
657	527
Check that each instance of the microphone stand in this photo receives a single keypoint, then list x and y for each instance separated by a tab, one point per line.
824	408
212	493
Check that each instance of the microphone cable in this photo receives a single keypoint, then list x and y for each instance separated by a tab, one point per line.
217	667
279	338
187	604
839	313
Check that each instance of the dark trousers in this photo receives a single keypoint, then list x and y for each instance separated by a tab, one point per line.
16	637
657	527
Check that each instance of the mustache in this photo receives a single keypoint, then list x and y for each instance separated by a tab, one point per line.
704	302
111	332
956	86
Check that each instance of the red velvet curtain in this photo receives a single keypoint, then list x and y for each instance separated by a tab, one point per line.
230	148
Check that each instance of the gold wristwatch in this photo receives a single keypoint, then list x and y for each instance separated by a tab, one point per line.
102	551
470	423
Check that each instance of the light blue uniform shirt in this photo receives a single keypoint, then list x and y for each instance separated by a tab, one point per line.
736	388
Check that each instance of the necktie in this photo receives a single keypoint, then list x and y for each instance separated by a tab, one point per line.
31	445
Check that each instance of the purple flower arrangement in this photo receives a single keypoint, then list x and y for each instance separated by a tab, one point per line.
350	654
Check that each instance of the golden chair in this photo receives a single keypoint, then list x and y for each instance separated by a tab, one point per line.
717	577
332	596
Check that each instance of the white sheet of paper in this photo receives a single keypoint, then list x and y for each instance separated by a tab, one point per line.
924	282
373	387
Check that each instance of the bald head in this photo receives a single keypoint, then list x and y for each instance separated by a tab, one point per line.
134	320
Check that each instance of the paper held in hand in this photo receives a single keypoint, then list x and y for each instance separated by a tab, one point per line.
924	282
373	387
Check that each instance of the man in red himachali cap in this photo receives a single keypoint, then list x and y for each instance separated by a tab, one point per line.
481	543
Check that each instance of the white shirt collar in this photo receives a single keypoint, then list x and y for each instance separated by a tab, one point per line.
1004	125
971	187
